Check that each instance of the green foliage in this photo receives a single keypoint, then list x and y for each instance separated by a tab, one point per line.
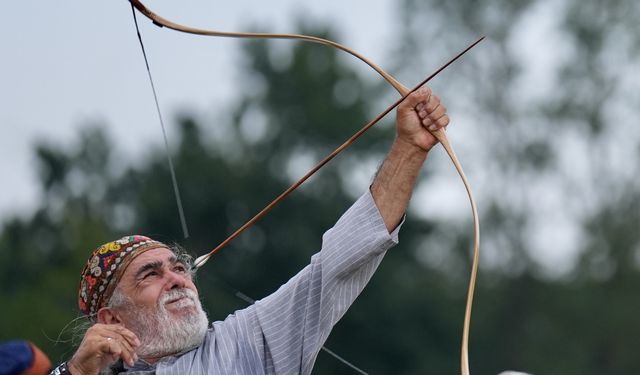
566	317
557	174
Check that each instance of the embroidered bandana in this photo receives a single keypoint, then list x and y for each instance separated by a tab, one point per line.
105	268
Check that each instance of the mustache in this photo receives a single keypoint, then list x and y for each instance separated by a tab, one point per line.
175	294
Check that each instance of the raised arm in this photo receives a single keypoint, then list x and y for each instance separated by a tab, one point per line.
394	182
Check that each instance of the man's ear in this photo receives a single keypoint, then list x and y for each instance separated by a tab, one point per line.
108	315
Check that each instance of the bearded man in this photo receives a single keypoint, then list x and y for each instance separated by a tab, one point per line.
148	317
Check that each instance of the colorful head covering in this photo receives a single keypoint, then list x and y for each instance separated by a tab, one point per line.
106	266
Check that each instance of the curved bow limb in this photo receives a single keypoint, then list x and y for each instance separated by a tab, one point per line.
163	22
404	91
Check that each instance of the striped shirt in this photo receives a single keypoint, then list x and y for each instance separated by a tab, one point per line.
283	333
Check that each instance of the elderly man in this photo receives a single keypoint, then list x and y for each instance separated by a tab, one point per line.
148	317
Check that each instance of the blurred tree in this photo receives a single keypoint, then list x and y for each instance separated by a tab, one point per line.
296	111
41	256
548	135
547	140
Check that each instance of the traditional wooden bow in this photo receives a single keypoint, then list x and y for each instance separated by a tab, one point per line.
440	134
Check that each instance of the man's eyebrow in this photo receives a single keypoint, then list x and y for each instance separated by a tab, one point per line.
173	260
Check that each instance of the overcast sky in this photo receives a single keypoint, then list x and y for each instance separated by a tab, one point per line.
65	64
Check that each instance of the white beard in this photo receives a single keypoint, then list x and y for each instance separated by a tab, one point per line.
162	334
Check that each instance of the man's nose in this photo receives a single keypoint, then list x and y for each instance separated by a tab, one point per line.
175	280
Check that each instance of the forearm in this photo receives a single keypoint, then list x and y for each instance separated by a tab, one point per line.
395	180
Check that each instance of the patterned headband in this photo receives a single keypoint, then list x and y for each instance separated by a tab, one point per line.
105	267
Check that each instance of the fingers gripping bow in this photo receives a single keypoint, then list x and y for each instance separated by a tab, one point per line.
440	134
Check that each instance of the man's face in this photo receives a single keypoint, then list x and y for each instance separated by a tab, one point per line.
154	273
158	301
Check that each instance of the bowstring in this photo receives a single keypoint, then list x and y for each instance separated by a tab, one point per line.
176	190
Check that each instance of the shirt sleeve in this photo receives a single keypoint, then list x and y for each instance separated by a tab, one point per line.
291	325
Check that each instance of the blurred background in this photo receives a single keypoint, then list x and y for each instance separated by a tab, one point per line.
544	119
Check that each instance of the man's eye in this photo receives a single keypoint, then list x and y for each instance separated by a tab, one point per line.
180	268
152	273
